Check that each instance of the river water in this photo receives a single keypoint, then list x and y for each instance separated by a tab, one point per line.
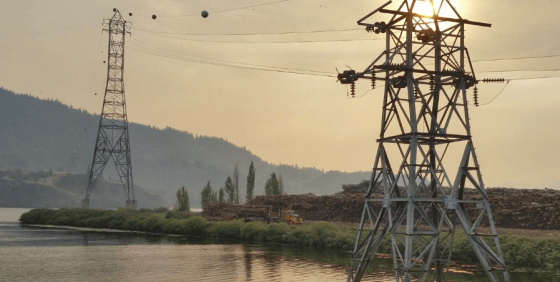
46	254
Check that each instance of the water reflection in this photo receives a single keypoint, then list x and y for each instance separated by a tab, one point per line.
29	254
247	260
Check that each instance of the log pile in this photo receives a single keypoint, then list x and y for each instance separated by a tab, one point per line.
360	188
525	208
217	212
227	211
341	207
511	208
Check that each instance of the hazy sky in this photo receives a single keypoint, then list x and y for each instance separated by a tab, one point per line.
55	49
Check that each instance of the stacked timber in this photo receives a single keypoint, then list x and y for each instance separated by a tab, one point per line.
511	208
228	211
217	211
360	188
525	208
337	208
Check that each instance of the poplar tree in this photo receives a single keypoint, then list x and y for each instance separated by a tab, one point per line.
250	183
272	187
281	190
183	202
221	196
236	182
214	198
206	195
230	190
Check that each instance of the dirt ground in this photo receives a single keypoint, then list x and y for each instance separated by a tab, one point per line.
501	231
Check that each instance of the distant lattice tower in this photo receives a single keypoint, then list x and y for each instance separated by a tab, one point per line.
112	136
425	159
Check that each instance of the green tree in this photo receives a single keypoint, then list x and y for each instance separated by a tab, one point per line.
272	187
183	202
236	182
214	198
250	183
281	190
206	195
230	190
221	195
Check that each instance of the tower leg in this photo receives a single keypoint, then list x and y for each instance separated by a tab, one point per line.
130	204
85	204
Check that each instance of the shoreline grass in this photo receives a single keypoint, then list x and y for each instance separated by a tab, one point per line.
518	251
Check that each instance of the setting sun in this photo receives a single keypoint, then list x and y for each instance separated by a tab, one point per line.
423	7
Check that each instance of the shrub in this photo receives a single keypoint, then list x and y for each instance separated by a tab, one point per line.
254	230
62	220
154	223
226	229
278	232
133	223
196	226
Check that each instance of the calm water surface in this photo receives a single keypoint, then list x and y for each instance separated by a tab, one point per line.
41	254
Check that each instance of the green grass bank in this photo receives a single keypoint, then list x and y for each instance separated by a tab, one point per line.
518	251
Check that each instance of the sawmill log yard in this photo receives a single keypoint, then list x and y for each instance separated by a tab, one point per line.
528	212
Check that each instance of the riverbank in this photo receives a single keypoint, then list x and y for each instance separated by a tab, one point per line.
518	251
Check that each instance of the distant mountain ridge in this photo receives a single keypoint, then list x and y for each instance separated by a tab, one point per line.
40	134
48	189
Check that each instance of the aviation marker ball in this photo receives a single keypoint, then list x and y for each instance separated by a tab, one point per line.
204	14
154	16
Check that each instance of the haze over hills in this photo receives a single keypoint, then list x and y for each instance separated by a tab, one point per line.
47	189
42	134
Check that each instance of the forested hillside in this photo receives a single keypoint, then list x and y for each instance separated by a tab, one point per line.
40	134
47	189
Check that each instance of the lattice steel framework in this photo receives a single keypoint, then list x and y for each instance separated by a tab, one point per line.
112	136
425	120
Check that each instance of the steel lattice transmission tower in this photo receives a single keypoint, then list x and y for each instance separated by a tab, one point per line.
425	160
112	136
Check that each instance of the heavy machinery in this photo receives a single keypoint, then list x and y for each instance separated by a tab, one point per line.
290	217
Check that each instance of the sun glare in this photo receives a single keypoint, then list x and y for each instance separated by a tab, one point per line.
424	7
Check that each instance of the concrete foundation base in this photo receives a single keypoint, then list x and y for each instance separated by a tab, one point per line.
130	204
85	204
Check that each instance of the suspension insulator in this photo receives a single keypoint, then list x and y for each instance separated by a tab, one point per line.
475	96
493	80
353	89
416	95
373	81
432	84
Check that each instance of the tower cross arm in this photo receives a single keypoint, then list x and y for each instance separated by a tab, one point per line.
463	21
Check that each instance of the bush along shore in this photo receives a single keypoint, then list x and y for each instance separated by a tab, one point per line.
518	251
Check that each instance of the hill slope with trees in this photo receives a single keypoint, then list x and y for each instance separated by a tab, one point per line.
41	134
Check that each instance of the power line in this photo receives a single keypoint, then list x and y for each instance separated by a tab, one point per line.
268	42
229	10
518	58
229	65
158	50
489	71
263	68
248	34
509	80
496	95
541	77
